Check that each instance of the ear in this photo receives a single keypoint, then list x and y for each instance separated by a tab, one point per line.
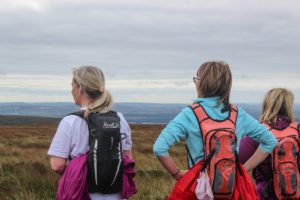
81	90
198	91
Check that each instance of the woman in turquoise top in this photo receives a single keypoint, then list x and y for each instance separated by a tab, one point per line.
213	85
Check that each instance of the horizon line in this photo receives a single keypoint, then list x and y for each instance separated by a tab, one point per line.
39	102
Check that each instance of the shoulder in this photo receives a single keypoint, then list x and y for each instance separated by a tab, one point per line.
240	110
243	114
185	116
246	122
184	120
123	123
121	116
70	120
187	112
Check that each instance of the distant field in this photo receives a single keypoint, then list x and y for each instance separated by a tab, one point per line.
26	120
135	113
25	171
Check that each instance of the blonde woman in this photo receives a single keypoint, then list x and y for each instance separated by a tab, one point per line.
72	136
277	115
212	110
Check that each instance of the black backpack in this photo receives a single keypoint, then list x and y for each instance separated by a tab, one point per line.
104	163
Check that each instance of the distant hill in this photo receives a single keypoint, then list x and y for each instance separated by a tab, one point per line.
58	109
12	120
148	113
134	112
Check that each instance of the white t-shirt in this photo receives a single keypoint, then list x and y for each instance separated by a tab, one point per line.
72	139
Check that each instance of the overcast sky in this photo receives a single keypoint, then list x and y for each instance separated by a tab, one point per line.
148	50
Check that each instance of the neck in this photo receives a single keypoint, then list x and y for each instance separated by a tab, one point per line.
84	102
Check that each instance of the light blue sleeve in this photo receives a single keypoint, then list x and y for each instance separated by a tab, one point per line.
258	132
175	131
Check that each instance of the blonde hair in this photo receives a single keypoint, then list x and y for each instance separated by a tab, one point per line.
91	80
278	101
215	80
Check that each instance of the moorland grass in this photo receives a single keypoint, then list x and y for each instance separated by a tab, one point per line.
25	172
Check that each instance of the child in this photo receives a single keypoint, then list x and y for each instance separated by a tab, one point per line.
277	115
211	111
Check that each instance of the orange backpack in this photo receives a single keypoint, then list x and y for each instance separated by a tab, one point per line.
219	143
286	177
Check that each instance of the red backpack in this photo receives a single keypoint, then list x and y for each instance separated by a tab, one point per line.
219	143
286	177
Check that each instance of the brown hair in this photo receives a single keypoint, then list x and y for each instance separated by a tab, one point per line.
91	80
278	101
215	80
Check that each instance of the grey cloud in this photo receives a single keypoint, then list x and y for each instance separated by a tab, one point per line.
127	38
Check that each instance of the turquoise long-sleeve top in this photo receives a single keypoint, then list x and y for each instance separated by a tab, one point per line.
185	126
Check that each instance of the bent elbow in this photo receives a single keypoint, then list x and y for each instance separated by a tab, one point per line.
155	149
158	151
274	144
58	168
58	165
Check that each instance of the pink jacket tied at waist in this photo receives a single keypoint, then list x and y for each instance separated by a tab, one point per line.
129	187
73	185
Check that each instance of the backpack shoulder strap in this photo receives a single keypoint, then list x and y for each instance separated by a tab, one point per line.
199	112
79	113
233	113
294	125
201	115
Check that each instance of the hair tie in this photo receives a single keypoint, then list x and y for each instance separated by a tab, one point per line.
89	108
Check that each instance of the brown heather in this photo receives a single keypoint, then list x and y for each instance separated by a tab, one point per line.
25	172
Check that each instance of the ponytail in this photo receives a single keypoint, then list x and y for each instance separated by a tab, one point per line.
91	80
102	104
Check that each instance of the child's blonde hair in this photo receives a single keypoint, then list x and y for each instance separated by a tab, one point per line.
277	102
